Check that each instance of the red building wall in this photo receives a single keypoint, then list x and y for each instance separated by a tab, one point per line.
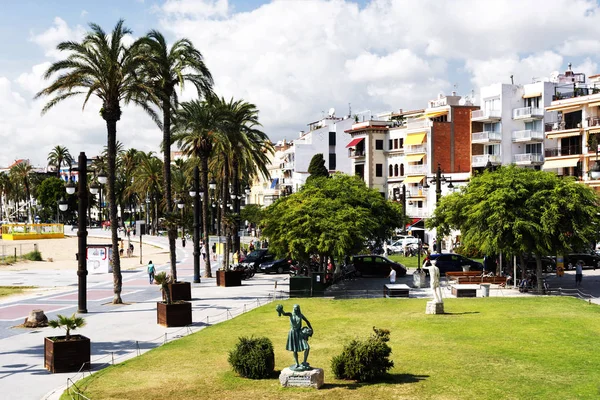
452	141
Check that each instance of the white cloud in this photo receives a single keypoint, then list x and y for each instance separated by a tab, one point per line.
60	32
197	8
83	14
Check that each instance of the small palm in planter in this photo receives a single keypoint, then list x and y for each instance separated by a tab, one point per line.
168	312
70	352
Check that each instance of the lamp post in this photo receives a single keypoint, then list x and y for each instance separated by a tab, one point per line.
147	216
180	205
438	179
102	178
81	231
212	185
404	209
196	193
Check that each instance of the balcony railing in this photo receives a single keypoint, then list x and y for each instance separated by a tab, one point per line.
563	151
416	212
527	135
417	124
417	148
528	158
416	192
288	165
528	112
481	160
562	126
485	114
416	170
487	136
356	153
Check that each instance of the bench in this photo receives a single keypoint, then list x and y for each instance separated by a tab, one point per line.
395	290
465	290
457	274
495	280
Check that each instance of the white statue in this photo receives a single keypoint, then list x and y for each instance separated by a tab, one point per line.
434	278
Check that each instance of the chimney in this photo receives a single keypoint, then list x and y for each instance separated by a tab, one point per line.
301	133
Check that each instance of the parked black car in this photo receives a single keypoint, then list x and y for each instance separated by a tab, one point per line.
257	257
548	264
589	260
374	265
450	262
278	266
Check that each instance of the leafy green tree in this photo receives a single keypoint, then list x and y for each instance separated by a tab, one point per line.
317	167
521	211
329	217
253	213
49	192
21	174
102	65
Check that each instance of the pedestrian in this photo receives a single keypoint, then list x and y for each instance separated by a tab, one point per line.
151	271
214	251
578	273
385	248
203	251
251	247
392	275
434	246
236	257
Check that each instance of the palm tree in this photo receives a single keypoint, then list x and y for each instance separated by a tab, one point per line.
20	173
5	188
103	66
58	156
147	181
165	68
197	126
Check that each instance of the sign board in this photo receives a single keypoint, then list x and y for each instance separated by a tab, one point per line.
99	258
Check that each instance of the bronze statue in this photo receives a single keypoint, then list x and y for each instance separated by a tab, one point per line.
298	336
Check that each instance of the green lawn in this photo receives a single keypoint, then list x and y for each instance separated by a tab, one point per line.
10	290
485	348
411	262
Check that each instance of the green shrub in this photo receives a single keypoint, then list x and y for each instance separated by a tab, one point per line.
33	256
366	360
253	358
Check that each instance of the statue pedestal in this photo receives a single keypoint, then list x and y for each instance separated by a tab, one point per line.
419	279
313	378
434	308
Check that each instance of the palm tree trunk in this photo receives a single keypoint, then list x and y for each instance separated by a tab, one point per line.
205	205
236	204
171	229
111	125
59	162
225	197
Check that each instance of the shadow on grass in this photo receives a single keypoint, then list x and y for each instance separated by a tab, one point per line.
460	313
397	379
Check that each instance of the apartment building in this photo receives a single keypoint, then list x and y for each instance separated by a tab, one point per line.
509	127
573	137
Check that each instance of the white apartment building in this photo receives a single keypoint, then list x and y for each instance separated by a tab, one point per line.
509	127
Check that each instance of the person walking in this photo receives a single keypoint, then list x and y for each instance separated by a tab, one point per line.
151	272
203	251
578	273
392	275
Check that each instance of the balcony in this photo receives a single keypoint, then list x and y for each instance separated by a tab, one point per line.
528	159
416	192
417	124
287	165
528	113
563	151
486	137
486	115
416	170
416	212
482	160
356	153
417	148
527	135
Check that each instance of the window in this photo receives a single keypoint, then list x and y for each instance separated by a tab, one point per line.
491	105
332	162
395	143
395	169
534	148
401	169
332	138
391	170
535	126
495	127
390	144
401	143
378	169
493	149
379	145
533	102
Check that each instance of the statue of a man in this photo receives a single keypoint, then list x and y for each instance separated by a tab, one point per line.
434	278
298	336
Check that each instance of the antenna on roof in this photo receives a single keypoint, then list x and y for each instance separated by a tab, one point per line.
349	109
512	81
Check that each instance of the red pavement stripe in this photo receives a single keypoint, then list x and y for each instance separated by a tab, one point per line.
21	311
92	295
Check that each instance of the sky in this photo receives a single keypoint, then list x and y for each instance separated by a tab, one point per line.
293	59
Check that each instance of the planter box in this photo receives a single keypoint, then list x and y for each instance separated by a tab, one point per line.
175	314
229	278
66	356
180	291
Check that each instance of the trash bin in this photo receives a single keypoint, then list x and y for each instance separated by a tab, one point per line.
419	279
485	289
318	284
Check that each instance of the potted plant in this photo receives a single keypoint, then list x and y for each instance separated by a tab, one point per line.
226	276
179	290
169	312
70	352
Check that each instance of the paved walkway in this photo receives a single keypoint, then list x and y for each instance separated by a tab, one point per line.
119	332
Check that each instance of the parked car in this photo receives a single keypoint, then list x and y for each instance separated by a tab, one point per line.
548	264
589	260
257	257
374	265
402	242
450	262
278	266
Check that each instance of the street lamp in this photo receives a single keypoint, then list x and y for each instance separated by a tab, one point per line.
81	231
147	215
438	179
196	193
180	205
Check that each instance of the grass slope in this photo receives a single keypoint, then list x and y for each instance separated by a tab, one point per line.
11	290
485	348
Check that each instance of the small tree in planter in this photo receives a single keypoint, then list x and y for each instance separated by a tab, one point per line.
70	352
169	312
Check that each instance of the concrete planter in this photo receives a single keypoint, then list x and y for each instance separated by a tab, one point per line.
61	355
174	314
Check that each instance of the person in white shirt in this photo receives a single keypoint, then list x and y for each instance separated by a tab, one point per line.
578	273
392	275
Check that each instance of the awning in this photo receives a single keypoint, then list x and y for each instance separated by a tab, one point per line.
414	138
593	131
563	134
530	95
434	114
414	157
565	108
413	179
571	162
274	183
354	142
594	104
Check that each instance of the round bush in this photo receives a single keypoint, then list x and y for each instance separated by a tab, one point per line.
253	358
